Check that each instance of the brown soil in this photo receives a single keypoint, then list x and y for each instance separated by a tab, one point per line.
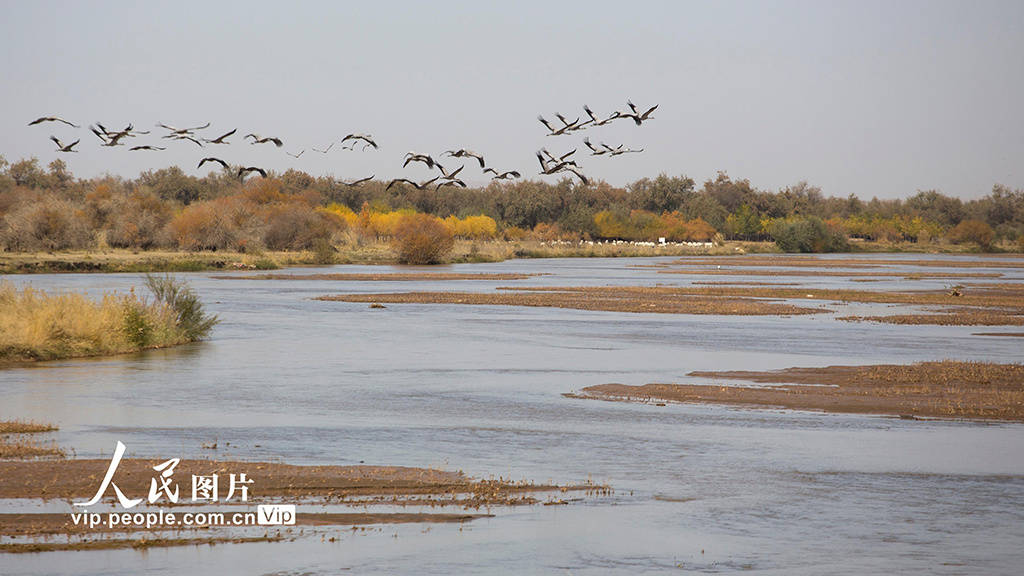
742	283
661	300
138	544
60	523
976	318
1004	296
79	479
845	274
948	389
1008	334
821	262
395	277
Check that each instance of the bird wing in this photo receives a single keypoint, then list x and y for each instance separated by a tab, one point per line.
648	113
277	142
631	106
54	138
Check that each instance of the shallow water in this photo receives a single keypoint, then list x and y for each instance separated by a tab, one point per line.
478	388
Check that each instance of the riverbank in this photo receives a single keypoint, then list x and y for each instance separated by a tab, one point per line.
948	389
381	252
36	325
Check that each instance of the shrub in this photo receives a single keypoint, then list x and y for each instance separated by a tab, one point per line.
298	227
46	224
973	231
807	235
178	296
422	239
203	226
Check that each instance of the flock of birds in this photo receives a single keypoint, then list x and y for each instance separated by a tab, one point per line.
549	163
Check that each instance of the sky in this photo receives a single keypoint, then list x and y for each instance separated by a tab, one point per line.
861	97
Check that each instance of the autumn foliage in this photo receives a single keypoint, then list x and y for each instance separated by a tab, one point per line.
422	239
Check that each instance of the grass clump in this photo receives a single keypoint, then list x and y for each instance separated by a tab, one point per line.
35	325
16	440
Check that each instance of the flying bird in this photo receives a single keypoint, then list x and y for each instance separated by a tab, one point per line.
511	174
594	151
357	182
463	153
189	138
450	175
296	155
636	115
108	138
52	119
552	131
570	126
256	139
560	165
62	148
212	159
181	131
364	137
563	158
424	158
451	182
594	120
418	186
220	139
325	150
619	149
133	148
245	170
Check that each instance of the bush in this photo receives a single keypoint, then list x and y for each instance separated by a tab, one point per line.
176	295
973	231
298	227
422	239
46	224
807	235
203	226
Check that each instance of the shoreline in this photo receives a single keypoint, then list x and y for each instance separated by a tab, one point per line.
381	253
980	391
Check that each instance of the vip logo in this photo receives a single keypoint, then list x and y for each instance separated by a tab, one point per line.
275	514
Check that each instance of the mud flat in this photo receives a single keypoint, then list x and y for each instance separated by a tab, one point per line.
658	300
357	486
1012	261
79	478
394	277
831	273
947	389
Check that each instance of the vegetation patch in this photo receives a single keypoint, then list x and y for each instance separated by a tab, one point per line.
17	440
35	325
947	389
657	300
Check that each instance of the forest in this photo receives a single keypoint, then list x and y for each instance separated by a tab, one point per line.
49	209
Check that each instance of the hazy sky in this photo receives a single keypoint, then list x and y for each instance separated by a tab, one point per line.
869	98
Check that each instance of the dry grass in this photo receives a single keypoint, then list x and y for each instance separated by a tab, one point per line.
16	440
24	427
659	300
35	325
947	389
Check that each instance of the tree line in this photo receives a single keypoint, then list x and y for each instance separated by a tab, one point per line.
50	209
